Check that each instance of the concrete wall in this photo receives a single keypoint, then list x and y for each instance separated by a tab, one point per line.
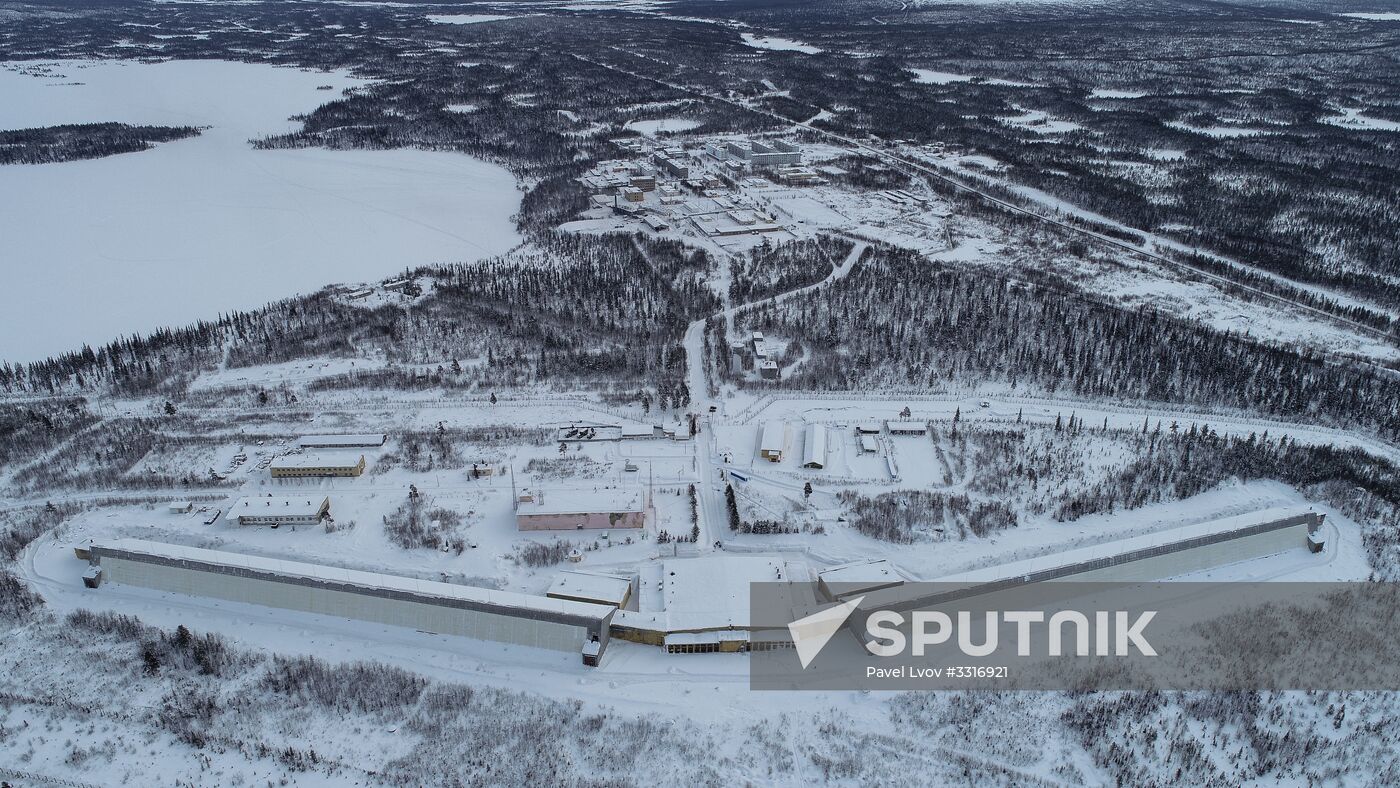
1195	559
441	619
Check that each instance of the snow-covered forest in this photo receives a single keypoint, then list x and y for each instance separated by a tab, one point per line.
1015	282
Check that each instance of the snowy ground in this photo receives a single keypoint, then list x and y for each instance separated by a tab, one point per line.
653	127
73	235
930	225
641	676
779	44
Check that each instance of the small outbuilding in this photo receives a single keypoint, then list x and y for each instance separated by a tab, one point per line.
639	431
907	427
773	442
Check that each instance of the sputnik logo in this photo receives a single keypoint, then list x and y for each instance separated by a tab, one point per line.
810	634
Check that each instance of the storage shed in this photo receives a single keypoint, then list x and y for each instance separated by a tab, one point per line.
773	441
814	446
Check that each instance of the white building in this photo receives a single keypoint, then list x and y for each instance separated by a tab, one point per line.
907	427
639	431
286	510
814	446
773	442
570	510
311	465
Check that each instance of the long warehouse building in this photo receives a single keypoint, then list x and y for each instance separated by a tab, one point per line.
303	465
443	608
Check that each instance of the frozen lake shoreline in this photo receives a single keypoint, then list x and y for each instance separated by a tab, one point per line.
127	244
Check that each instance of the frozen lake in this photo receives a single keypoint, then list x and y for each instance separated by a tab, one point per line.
90	250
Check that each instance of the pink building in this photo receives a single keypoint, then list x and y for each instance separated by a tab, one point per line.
569	510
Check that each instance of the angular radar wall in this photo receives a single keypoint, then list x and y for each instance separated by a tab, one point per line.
486	614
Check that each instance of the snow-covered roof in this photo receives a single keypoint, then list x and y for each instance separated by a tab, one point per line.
341	441
814	445
286	506
907	427
859	576
293	461
869	427
593	586
713	591
368	580
867	443
638	430
774	436
564	501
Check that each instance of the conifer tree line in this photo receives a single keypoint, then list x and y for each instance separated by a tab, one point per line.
569	308
900	321
70	142
776	268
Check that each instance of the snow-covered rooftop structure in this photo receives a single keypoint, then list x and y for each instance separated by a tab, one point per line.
308	465
712	592
607	499
814	446
907	427
858	577
639	430
773	441
317	460
280	509
594	587
568	509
